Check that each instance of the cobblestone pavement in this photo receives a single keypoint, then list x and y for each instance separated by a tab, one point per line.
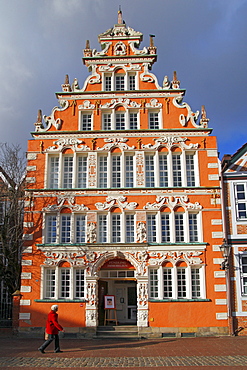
123	362
176	353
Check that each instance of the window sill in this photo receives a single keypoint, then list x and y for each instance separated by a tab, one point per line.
180	300
53	300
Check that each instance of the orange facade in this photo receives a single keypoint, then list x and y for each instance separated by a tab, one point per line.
123	199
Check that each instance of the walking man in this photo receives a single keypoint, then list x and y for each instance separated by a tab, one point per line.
52	329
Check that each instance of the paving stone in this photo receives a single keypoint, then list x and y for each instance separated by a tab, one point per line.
126	362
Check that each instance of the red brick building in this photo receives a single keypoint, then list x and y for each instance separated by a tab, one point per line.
124	200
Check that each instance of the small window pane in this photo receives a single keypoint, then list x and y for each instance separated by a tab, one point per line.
154	120
120	121
119	82
66	229
107	121
86	122
65	283
149	170
154	283
133	121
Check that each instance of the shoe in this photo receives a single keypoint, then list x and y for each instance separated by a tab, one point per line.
58	351
41	350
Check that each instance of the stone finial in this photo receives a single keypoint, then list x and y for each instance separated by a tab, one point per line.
38	124
152	49
151	40
66	86
204	120
175	81
120	16
39	116
204	113
87	51
66	80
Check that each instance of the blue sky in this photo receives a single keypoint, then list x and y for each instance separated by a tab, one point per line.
205	41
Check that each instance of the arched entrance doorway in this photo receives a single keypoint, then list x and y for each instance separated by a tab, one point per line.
117	277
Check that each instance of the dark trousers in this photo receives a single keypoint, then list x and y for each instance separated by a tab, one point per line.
51	337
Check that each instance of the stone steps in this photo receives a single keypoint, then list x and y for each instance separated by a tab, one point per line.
117	332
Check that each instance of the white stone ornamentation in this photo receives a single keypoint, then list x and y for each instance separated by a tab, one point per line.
50	120
127	103
61	204
65	143
177	102
119	201
86	105
119	142
141	232
169	142
153	104
136	51
91	232
172	202
54	257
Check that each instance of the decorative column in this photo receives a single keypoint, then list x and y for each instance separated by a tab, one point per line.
91	302
142	301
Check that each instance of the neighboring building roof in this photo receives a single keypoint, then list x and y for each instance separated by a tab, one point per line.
236	162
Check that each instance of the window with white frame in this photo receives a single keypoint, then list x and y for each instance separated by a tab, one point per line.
243	264
193	227
116	171
167	282
153	120
116	228
179	227
129	171
51	228
173	227
107	124
149	170
177	169
67	172
120	121
132	82
133	120
119	82
102	228
177	282
81	172
53	172
108	82
86	122
63	283
129	228
165	227
163	167
190	170
241	200
80	226
65	228
102	171
151	228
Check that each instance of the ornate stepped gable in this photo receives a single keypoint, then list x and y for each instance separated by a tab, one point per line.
124	170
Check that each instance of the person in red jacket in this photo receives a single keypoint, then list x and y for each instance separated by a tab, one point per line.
52	329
